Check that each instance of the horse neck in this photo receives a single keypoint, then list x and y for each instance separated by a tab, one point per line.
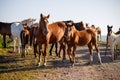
118	32
112	36
73	31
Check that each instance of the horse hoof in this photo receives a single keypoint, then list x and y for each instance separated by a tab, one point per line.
50	54
37	65
100	62
44	64
72	65
89	63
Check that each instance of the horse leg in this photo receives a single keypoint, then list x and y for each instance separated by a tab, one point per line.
14	44
73	55
35	49
40	51
4	40
69	53
64	53
98	53
60	51
56	46
113	51
44	54
91	53
106	49
51	49
23	51
62	46
19	45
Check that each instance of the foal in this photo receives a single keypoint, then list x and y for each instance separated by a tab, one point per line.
113	40
48	33
81	38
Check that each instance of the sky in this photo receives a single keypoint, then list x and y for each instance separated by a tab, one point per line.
94	12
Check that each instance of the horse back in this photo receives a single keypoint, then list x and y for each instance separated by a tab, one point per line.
83	37
56	31
5	28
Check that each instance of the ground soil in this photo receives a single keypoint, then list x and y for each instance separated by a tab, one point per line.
58	70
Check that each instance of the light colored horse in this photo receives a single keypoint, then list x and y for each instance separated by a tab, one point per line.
113	40
16	29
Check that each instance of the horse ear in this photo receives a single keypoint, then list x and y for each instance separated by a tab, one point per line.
111	26
41	15
107	25
48	16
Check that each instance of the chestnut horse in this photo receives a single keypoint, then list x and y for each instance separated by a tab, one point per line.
5	29
48	33
79	26
81	38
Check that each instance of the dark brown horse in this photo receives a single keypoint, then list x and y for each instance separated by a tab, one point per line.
48	33
5	29
33	42
80	38
25	37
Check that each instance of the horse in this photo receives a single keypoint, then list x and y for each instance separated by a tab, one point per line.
47	34
98	30
33	30
113	40
62	46
25	37
16	29
5	29
80	38
109	28
79	26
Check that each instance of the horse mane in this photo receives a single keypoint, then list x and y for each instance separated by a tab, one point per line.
59	24
79	26
118	32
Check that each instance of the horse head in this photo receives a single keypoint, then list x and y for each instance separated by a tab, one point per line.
43	23
28	21
70	26
109	28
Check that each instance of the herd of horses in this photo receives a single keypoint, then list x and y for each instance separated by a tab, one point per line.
67	34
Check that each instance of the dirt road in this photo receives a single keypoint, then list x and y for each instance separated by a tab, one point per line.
25	69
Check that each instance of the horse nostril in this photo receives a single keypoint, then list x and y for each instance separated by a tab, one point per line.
45	32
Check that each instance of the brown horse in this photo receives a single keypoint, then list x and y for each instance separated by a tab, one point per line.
79	26
24	36
48	33
81	38
62	46
33	42
96	28
5	29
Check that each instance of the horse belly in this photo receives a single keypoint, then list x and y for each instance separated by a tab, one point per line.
82	41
